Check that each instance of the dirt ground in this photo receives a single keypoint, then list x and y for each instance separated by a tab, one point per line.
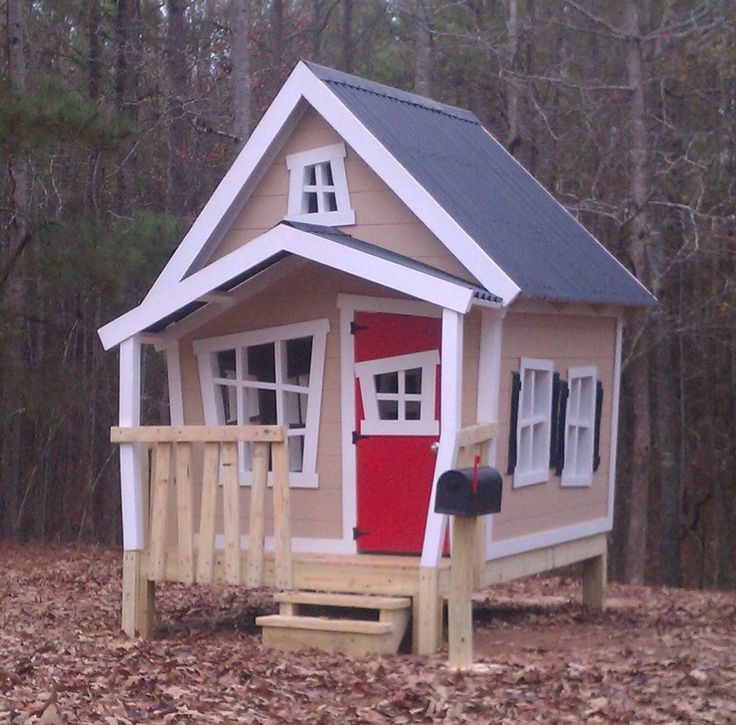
655	656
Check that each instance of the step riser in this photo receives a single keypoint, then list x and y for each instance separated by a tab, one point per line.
347	643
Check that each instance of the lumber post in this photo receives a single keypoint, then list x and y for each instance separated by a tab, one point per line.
160	511
139	609
184	513
206	556
594	582
281	513
459	604
231	511
427	613
254	576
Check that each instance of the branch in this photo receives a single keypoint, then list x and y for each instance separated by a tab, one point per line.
615	32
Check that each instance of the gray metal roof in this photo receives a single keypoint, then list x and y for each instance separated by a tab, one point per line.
521	227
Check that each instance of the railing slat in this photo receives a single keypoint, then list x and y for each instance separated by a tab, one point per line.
159	515
254	577
196	433
185	525
206	555
280	459
480	433
230	502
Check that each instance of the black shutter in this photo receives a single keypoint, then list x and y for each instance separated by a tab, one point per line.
597	434
514	422
553	420
561	422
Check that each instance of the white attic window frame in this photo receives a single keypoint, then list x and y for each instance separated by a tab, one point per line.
580	427
309	176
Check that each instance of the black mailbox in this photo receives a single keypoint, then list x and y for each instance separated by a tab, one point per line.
460	495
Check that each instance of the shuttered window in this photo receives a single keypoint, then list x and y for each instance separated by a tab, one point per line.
580	427
534	424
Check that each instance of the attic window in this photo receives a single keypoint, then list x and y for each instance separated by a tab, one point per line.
318	187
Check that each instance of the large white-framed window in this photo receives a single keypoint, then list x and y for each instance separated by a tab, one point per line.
579	427
266	377
399	394
318	187
534	423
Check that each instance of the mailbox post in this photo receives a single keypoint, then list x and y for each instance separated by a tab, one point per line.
465	494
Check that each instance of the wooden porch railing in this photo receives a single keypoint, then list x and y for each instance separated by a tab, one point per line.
172	469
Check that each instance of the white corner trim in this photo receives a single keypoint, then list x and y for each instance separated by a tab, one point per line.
451	374
173	373
615	397
131	487
285	239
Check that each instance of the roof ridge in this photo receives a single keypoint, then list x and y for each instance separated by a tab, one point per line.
331	75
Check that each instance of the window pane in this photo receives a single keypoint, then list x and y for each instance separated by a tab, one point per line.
296	453
228	412
330	201
413	410
327	179
298	355
525	448
309	205
541	392
295	410
260	365
586	399
540	447
226	364
266	411
584	462
413	381
527	392
388	409
387	383
251	406
310	175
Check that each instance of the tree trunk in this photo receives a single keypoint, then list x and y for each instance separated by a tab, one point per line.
316	27
14	294
240	19
639	186
277	42
177	75
513	137
347	36
423	39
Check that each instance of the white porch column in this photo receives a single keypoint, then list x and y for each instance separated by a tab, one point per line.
451	379
173	373
131	491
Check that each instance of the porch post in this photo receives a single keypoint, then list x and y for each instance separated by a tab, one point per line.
429	634
138	592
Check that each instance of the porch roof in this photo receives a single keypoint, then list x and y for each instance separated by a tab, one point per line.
324	245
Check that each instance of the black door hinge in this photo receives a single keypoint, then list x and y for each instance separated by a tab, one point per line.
354	327
357	437
357	533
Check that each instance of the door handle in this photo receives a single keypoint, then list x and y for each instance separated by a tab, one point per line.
434	447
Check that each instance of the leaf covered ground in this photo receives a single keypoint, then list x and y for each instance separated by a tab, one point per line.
656	656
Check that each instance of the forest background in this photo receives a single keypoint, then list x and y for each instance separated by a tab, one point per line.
119	117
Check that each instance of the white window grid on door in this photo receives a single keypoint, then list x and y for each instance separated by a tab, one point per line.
219	392
534	422
318	187
579	427
403	366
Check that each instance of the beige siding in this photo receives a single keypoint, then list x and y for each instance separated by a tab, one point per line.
381	217
569	340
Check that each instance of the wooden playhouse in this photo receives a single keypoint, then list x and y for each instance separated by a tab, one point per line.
375	292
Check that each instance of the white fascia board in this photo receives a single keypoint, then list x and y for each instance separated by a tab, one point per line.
229	189
282	238
302	83
409	190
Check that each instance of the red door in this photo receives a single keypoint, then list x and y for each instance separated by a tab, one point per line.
397	421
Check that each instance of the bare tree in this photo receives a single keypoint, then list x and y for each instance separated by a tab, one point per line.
240	59
423	41
347	36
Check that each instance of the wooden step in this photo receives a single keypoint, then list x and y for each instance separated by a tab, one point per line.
347	636
355	601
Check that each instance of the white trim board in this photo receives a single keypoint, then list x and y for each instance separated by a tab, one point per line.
232	191
286	239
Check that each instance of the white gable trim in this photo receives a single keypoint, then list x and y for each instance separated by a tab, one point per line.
283	238
303	84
